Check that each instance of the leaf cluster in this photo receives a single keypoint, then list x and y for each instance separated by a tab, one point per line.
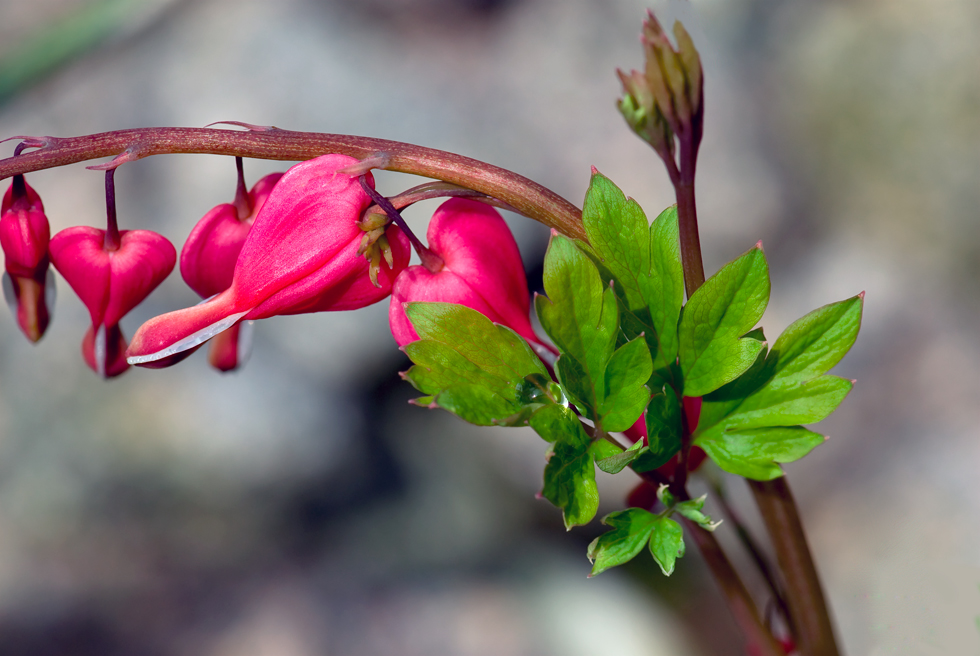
630	348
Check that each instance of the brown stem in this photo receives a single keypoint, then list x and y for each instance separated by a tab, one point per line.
805	598
761	643
527	197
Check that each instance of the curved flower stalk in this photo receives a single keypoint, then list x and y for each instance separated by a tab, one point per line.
112	271
207	261
300	256
481	269
24	235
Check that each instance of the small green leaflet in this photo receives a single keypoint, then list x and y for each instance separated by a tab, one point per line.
666	543
644	260
467	364
581	316
617	462
751	424
631	531
569	476
714	347
634	527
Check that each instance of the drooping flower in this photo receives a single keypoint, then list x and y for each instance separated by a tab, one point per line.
207	261
110	279
24	236
300	256
481	269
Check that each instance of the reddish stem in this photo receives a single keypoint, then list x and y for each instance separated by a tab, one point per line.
112	239
243	202
527	197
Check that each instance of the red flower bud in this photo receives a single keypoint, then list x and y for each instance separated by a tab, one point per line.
300	256
110	283
482	270
24	236
207	261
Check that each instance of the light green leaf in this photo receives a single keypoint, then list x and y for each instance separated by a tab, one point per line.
468	365
631	531
786	387
754	453
615	463
581	316
644	261
496	349
713	346
627	395
619	234
666	543
813	344
664	288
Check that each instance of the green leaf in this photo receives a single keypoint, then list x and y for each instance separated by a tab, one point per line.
666	543
615	463
581	316
713	346
631	531
753	453
569	476
496	349
663	430
627	395
467	365
786	387
813	344
644	261
555	422
619	233
664	288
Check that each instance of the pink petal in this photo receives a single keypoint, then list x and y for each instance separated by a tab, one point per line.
309	217
207	260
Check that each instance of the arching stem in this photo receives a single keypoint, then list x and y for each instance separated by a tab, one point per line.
525	196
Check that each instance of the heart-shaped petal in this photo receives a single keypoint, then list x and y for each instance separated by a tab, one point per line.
111	283
482	270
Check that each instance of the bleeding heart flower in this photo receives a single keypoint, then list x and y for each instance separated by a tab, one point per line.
24	236
207	261
300	256
482	270
110	282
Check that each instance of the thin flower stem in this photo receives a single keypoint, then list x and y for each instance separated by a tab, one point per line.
243	202
527	197
430	260
814	630
431	190
112	237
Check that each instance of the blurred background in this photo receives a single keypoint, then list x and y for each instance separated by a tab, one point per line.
301	506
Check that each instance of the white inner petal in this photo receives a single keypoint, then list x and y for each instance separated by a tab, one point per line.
192	340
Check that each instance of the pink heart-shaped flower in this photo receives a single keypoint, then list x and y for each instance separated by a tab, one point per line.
482	270
110	282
